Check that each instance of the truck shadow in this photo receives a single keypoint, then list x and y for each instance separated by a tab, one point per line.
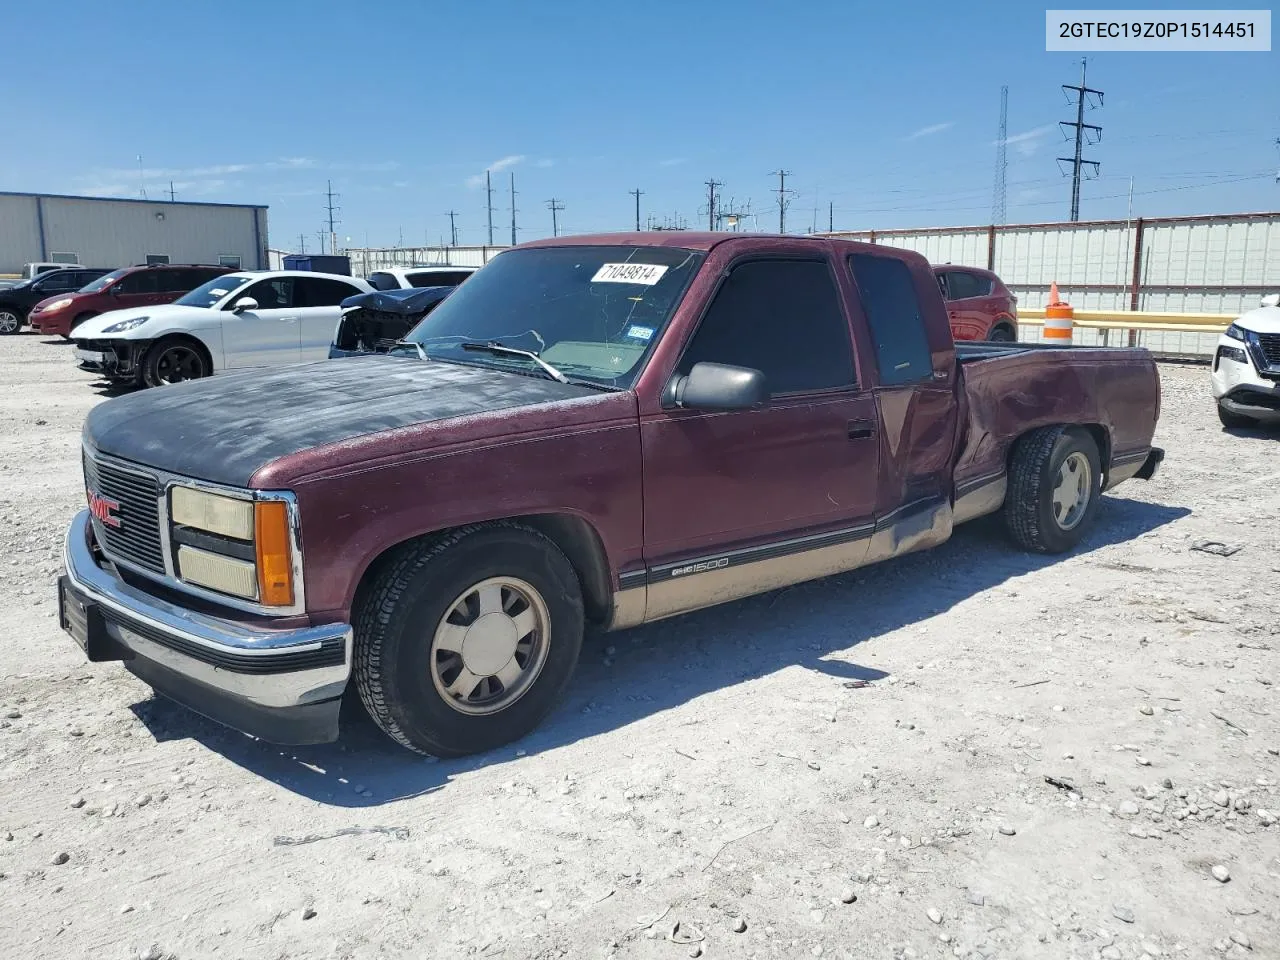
660	666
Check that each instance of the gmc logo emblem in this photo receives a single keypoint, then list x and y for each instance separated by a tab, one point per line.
104	508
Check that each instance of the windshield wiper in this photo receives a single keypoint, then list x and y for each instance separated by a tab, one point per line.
503	351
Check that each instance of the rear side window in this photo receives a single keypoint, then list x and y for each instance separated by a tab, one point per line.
962	285
892	308
320	292
436	278
383	281
783	318
140	281
176	281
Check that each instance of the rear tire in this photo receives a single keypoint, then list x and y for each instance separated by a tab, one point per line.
11	320
1055	482
436	620
1235	421
1002	334
174	360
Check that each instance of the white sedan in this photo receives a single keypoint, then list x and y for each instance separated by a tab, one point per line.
402	278
1246	368
238	320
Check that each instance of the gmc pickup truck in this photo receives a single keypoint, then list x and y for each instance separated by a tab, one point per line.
591	433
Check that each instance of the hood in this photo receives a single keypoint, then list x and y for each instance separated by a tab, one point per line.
224	429
406	302
92	329
1261	320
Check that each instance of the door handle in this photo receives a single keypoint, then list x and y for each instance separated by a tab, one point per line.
288	319
861	429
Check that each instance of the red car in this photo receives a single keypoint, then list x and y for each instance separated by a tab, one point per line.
593	431
979	305
139	286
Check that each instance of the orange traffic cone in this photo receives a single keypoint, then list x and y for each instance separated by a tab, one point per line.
1058	318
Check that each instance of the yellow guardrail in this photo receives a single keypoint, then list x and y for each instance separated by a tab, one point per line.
1139	320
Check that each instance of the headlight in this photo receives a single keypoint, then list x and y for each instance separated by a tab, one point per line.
254	557
211	512
58	304
1236	333
124	325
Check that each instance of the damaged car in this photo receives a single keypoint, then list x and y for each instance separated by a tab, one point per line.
376	322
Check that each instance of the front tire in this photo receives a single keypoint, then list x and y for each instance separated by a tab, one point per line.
1055	482
174	360
1235	421
465	642
11	320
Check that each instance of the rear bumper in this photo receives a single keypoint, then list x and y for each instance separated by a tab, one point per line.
282	685
1151	464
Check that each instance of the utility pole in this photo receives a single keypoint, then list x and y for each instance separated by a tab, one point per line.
712	184
637	193
1083	133
782	193
831	216
513	208
998	213
453	229
488	192
332	209
555	206
172	196
320	235
302	243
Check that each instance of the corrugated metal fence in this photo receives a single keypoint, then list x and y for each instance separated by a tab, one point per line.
1209	264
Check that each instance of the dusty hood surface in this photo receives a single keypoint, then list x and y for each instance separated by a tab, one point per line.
225	428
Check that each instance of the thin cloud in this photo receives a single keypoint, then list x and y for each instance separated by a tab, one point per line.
510	160
931	130
1028	142
673	162
544	163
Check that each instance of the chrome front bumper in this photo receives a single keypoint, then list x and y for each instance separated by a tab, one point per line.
283	685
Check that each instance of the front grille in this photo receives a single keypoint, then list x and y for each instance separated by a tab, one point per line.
1269	343
137	539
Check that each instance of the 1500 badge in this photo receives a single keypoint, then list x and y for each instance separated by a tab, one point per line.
701	567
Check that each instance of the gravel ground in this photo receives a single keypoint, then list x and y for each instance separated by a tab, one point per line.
858	767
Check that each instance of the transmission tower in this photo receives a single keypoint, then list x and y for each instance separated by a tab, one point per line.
731	215
555	206
332	211
1002	160
783	198
712	185
1085	133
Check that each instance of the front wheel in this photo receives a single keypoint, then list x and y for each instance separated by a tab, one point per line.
1234	421
173	361
1055	482
10	320
466	642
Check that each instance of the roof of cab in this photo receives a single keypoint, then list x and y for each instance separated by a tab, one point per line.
684	239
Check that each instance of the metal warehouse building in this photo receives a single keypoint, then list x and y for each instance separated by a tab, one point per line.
106	232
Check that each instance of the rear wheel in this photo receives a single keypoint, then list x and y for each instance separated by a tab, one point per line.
174	360
1055	482
1234	421
11	320
466	642
1002	334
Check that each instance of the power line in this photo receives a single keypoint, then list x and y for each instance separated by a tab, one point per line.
1002	160
513	208
637	193
712	184
453	228
1082	134
555	206
332	210
782	193
488	192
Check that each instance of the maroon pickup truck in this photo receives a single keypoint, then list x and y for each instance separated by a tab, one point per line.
592	432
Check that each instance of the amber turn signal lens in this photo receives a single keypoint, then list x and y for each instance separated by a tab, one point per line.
275	560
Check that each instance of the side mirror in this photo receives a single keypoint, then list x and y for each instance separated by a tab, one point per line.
718	386
243	304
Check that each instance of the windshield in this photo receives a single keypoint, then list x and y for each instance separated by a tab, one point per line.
103	282
209	294
591	312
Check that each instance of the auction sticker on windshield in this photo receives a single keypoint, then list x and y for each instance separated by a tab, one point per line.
646	274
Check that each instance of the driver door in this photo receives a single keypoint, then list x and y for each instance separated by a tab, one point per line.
267	335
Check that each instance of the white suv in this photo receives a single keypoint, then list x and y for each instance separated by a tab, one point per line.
237	320
402	278
1246	368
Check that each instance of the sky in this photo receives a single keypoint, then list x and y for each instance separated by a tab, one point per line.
886	114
